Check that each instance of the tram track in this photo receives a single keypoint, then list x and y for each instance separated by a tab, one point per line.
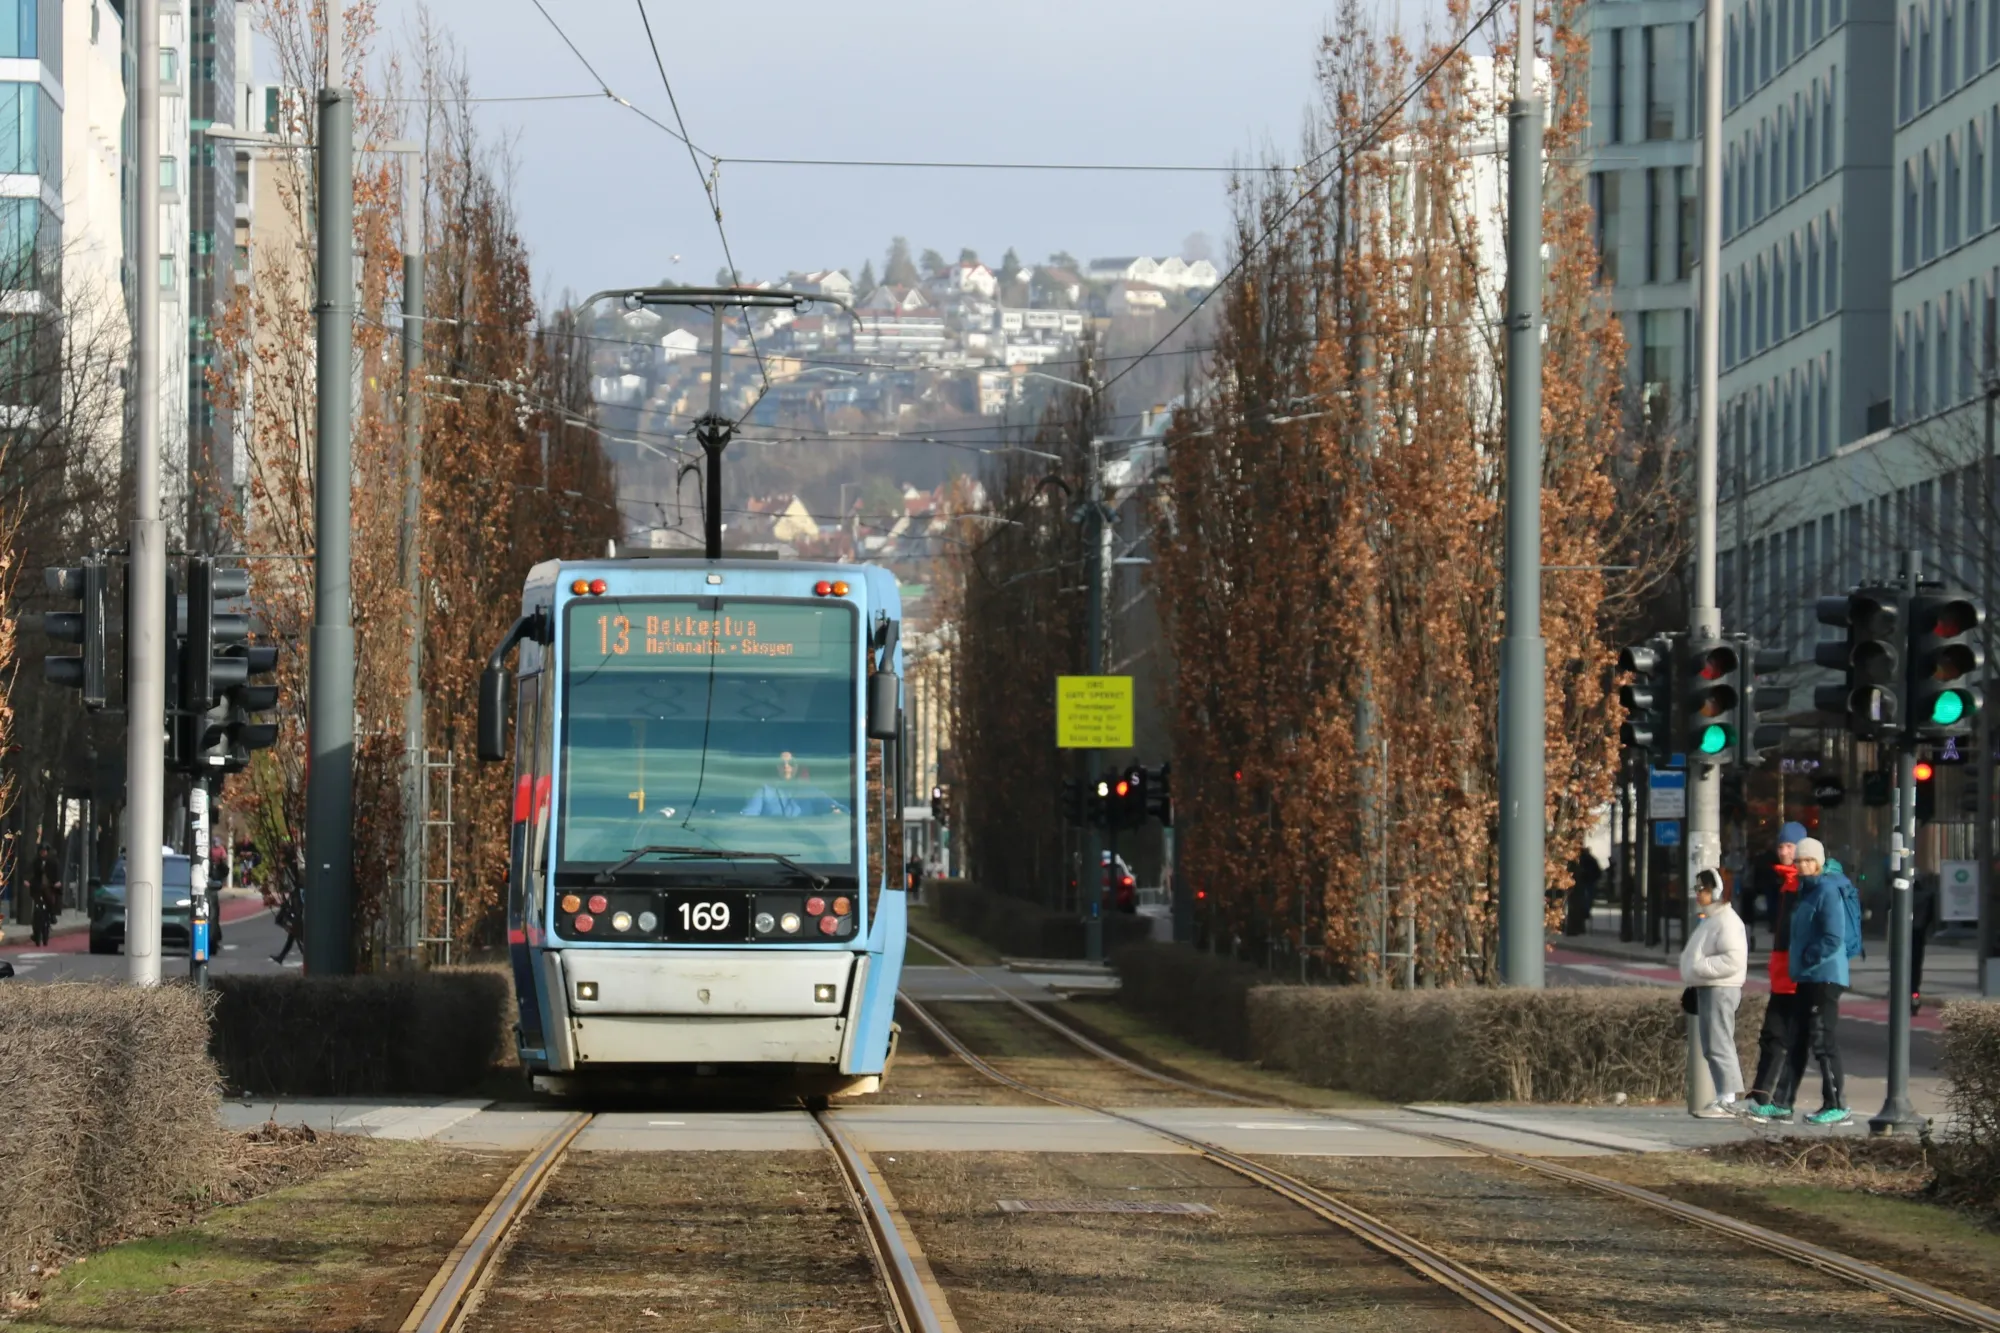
1909	1291
914	1298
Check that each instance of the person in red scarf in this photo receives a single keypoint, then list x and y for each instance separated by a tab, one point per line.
1778	881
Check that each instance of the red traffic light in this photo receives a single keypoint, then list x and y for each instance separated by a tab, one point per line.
1123	788
1924	771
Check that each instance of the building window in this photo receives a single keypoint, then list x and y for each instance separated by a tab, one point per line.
1797	283
170	67
1743	213
1798	27
1689	230
1930	206
1906	74
1729	191
1616	127
18	35
1920	369
1662	209
1818	19
1792	151
1757	180
1811	168
170	174
1763	308
1911	222
1745	345
1779	329
1826	126
1787	445
1902	390
1975	180
1659	362
166	273
1965	347
1971	65
1812	273
1943	398
1825	418
1784	26
1947	50
1764	43
1735	61
1926	66
1954	203
1658	43
1604	199
30	131
1832	264
1729	322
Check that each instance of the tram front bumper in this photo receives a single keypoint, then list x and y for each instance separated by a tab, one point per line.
709	1007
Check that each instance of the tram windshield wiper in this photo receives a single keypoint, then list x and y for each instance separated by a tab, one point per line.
609	873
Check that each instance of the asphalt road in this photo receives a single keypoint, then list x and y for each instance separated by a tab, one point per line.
249	938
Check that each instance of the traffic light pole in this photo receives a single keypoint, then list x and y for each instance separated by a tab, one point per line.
410	922
1897	1113
329	915
1096	566
1989	937
146	683
1704	825
1523	670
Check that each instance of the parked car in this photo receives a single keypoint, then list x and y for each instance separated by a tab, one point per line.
107	908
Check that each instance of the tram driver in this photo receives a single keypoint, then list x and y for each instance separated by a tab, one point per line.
791	796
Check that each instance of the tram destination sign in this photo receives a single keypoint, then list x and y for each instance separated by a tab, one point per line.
1093	712
672	632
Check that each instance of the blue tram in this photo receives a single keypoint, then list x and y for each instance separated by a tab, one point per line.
701	880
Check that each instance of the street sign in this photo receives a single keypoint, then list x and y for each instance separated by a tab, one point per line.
1958	891
1093	712
1666	833
1669	794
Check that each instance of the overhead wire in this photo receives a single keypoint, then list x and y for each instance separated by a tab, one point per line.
585	60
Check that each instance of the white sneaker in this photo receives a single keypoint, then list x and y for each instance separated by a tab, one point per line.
1715	1111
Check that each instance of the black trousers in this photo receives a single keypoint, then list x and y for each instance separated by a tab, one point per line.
1774	1045
1819	1032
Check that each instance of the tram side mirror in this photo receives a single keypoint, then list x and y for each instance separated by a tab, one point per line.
884	705
492	715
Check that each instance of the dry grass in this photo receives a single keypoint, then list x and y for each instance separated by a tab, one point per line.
1257	1262
107	1118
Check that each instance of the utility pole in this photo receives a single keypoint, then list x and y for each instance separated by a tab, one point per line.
1704	823
1989	972
1897	1113
416	801
1523	671
146	681
1097	566
329	879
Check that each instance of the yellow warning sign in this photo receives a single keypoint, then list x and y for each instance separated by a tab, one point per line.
1093	712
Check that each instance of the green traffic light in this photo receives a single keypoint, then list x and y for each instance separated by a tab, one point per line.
1948	708
1714	738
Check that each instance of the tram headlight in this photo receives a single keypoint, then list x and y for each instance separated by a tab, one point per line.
622	922
766	923
648	922
789	923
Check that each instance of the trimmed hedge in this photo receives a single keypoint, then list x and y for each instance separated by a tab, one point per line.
390	1034
1559	1045
1202	997
1021	929
1969	1160
107	1116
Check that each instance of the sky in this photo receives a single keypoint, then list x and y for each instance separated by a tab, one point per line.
606	199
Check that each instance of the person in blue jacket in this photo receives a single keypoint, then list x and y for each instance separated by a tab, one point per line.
1822	925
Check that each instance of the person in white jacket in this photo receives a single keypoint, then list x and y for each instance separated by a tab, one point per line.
1715	963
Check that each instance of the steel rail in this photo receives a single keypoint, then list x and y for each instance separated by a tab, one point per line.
1455	1277
915	1297
1858	1271
466	1267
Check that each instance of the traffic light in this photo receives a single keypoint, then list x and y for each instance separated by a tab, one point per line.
1098	800
1714	699
937	804
1943	657
1876	787
204	675
1869	701
1159	795
1758	737
243	696
1926	790
1127	807
85	626
1071	807
1648	697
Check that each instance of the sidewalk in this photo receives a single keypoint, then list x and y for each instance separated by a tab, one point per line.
1950	966
75	921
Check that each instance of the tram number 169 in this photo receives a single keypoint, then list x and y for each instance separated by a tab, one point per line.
706	917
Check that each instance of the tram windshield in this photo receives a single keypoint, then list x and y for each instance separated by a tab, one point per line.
709	722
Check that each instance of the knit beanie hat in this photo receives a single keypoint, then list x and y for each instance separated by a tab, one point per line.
1793	832
1812	849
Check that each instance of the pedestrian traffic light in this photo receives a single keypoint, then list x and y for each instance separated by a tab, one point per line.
83	584
1869	700
1098	799
1759	736
1943	657
1648	696
1926	790
1714	699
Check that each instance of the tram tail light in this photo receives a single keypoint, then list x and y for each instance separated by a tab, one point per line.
842	906
584	922
829	925
815	906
